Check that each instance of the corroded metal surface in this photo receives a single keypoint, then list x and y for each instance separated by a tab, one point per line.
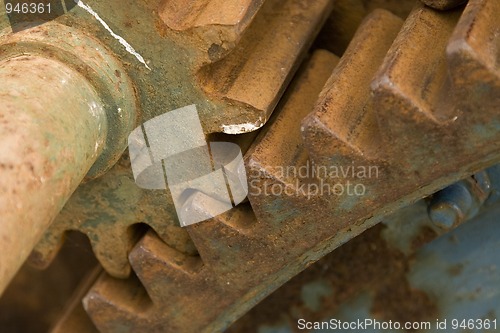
42	160
171	44
189	62
108	210
341	121
248	75
89	57
401	103
66	120
230	247
421	122
371	266
392	272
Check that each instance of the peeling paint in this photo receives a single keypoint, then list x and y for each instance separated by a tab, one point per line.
242	128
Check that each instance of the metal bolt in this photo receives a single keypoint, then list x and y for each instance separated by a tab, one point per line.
460	201
450	206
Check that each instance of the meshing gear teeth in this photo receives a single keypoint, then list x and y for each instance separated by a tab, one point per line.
426	114
241	58
449	94
107	210
232	247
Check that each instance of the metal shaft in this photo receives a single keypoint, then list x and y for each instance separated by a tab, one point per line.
52	129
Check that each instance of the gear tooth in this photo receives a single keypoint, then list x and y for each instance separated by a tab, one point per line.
408	86
123	300
163	270
268	159
337	150
413	98
343	128
215	22
166	225
112	243
426	102
109	243
173	280
47	248
226	239
473	61
257	71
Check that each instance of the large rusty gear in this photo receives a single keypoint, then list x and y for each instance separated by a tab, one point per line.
368	111
416	99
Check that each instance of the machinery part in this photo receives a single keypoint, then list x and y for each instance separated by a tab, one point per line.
91	59
336	129
192	54
373	277
444	4
230	246
261	253
247	75
43	161
460	201
66	130
191	46
286	236
494	180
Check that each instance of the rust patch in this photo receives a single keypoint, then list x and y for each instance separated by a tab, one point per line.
425	235
399	302
365	264
456	269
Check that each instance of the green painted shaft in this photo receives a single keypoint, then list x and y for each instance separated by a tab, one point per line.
52	129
